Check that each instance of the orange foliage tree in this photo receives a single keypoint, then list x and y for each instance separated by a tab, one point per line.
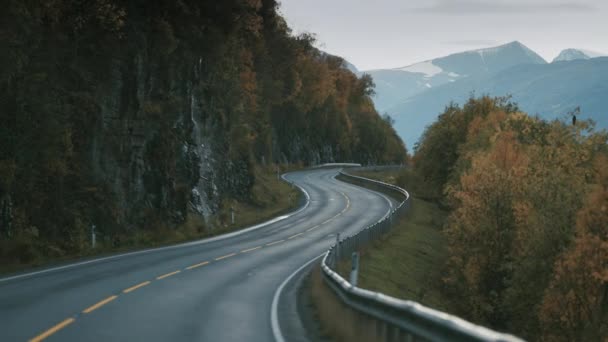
514	185
575	306
480	230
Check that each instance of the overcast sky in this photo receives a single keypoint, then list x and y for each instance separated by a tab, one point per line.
376	34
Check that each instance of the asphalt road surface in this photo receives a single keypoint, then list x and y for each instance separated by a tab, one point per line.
209	290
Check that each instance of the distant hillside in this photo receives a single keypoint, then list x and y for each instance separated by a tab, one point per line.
570	55
395	85
550	90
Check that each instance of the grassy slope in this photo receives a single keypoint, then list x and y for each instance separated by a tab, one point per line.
408	262
271	197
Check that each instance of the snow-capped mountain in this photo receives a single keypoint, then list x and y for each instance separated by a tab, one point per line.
549	90
395	85
415	94
574	54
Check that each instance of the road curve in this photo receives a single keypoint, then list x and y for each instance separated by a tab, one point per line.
220	290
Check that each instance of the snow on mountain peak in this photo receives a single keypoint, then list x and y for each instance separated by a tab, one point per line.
512	45
427	68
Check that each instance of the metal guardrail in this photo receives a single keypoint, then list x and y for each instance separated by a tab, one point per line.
381	167
395	319
335	165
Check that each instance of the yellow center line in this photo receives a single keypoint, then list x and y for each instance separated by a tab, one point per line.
167	275
225	256
197	265
94	307
313	228
133	288
333	217
100	304
251	249
53	330
275	242
294	236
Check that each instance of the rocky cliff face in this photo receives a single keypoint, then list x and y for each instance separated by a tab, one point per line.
171	160
135	116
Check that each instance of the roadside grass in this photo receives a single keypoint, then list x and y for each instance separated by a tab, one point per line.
270	198
407	263
386	176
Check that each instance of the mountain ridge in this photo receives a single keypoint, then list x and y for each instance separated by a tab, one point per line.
567	55
396	84
514	43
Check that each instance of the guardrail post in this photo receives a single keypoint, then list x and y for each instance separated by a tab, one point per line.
354	270
338	246
93	236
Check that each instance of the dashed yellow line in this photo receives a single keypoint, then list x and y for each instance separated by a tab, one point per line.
53	330
133	288
100	304
275	242
250	249
342	212
96	306
225	256
167	275
197	265
294	236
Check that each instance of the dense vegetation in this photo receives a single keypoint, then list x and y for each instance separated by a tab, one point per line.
527	232
136	114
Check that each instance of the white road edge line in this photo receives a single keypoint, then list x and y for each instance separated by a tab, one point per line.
187	244
274	315
390	205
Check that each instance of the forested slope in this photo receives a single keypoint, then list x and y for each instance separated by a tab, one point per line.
134	114
527	232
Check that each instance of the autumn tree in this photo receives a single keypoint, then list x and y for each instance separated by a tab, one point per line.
514	185
553	192
575	305
439	148
481	229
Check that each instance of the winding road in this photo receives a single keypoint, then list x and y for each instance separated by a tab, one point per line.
221	289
